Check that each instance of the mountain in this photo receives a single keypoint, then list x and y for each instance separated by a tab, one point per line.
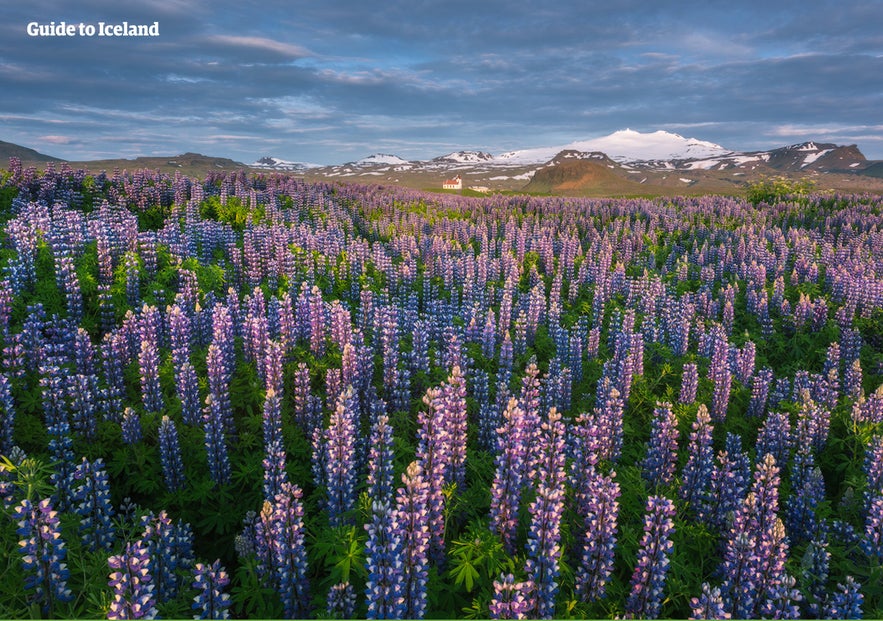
380	159
274	163
26	155
626	146
623	162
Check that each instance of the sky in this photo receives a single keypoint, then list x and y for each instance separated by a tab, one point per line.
328	82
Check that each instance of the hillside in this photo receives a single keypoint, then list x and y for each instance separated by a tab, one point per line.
26	155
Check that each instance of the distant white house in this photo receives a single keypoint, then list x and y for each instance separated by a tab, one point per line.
453	184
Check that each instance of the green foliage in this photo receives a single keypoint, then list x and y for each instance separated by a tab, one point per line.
776	189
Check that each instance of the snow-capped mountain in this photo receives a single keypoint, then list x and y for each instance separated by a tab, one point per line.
624	146
384	159
464	157
639	160
274	163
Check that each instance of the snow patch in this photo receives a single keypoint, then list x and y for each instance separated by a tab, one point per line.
812	157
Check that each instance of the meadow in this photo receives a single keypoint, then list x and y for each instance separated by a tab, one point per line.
252	396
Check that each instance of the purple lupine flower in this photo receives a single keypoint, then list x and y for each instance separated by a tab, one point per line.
215	442
92	498
43	553
188	393
512	600
131	583
412	521
340	477
317	321
83	394
148	359
62	453
852	380
872	544
383	551
275	475
808	491
218	376
709	605
815	565
847	601
506	488
543	540
281	528
873	468
658	467
754	557
609	417
598	506
380	460
167	550
813	422
760	390
689	383
696	476
170	455
729	483
719	373
341	601
433	456
453	402
209	581
7	415
774	437
131	426
648	579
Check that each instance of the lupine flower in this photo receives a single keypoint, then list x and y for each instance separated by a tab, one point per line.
729	483
543	540
872	544
148	359
775	437
341	601
383	589
215	442
648	579
689	383
847	601
814	578
170	455
512	600
506	488
132	584
598	507
43	553
167	549
754	557
696	477
709	605
340	475
808	490
7	415
719	373
411	518
380	460
760	390
281	530
131	426
92	498
658	467
209	581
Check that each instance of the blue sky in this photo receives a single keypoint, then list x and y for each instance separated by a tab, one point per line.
329	82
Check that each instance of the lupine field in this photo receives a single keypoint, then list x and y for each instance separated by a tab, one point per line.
250	396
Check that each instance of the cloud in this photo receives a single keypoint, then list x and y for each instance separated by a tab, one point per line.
330	81
259	45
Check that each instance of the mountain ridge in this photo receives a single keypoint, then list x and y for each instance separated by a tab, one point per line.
657	161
